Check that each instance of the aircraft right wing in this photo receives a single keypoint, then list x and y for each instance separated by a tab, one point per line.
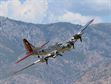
87	25
79	34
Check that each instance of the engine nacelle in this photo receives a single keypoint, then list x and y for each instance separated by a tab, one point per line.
55	53
78	36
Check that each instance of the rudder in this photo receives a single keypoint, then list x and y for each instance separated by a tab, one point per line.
27	45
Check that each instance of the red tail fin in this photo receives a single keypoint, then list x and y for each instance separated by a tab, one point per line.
27	46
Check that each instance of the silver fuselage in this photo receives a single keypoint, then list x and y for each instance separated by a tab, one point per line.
46	51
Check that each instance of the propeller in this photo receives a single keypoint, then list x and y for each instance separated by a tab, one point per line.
71	43
52	55
58	54
46	60
78	36
55	53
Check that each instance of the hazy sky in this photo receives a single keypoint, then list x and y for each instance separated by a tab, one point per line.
50	11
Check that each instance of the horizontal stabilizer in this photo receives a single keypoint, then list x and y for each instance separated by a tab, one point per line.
24	58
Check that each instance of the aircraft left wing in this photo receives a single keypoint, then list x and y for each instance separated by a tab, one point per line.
27	67
44	44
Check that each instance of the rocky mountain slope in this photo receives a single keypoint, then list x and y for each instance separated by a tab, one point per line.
88	63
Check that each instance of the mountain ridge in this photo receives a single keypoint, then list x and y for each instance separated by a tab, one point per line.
94	50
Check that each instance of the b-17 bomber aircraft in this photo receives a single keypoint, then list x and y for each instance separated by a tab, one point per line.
51	51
